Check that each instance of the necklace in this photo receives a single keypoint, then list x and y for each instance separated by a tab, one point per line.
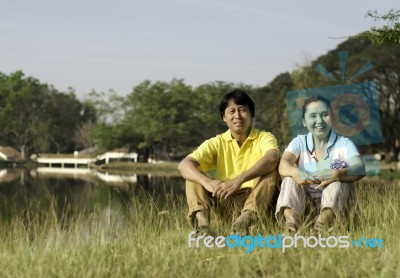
312	152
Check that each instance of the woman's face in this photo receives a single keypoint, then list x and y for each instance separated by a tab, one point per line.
317	119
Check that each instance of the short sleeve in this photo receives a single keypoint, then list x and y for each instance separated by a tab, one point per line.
268	142
295	146
205	154
350	148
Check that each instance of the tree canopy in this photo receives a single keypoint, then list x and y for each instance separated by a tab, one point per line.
388	34
36	117
170	119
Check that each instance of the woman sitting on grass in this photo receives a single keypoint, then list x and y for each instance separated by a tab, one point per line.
320	164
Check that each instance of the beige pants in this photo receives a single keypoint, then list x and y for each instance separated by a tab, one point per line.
292	195
254	199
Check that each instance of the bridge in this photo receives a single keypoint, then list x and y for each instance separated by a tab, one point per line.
77	160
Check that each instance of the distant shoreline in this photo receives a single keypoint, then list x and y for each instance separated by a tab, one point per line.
165	168
391	169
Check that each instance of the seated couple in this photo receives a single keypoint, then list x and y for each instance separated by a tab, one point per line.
247	160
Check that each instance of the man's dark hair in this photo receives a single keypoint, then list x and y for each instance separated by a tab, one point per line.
239	97
313	99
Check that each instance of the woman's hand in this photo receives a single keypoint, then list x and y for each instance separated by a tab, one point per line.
288	168
304	178
326	177
324	174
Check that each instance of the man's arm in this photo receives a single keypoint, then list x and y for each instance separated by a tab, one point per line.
268	163
262	167
189	171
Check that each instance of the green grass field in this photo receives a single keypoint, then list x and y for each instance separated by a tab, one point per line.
150	239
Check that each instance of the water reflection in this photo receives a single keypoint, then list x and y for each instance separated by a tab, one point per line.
68	191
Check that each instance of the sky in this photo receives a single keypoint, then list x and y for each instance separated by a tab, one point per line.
102	45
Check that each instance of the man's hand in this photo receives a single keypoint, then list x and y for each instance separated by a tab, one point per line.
212	185
227	188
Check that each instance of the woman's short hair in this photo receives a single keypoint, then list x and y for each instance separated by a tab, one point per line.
239	97
313	99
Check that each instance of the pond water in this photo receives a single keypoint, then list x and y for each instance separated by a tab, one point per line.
25	191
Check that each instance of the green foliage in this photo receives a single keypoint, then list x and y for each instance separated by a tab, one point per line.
272	113
66	114
108	107
170	119
21	103
163	113
388	34
36	117
108	132
207	110
103	137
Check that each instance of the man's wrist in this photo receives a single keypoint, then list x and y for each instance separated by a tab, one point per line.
205	180
240	179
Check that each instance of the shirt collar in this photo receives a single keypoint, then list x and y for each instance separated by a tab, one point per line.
331	141
228	137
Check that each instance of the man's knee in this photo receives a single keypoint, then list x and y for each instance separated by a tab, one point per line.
191	187
197	196
267	191
272	180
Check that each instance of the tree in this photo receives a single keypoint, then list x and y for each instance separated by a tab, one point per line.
21	112
272	113
36	118
83	135
66	114
109	107
388	34
107	131
162	113
206	109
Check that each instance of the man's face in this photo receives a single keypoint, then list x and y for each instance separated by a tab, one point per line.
237	117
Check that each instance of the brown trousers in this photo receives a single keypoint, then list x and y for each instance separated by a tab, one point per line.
256	199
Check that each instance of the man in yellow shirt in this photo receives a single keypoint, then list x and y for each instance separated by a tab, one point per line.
245	160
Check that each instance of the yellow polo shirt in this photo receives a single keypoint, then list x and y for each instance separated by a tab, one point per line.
223	153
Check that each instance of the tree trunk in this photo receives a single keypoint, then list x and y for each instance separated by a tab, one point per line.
144	155
22	150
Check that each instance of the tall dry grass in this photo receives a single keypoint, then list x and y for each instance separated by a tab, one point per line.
149	239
